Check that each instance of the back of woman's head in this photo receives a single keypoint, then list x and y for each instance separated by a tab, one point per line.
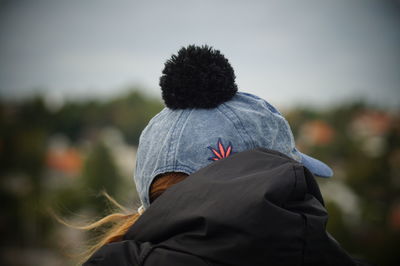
163	182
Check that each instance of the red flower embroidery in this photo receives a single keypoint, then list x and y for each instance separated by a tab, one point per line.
220	152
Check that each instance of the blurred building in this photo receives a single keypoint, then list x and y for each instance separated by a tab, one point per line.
315	133
371	123
124	155
63	162
66	161
370	128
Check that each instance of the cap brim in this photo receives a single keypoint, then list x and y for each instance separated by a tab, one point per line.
315	166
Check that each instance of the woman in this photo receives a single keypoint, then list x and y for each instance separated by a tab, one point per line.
220	180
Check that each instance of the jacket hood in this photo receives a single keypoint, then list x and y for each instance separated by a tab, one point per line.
256	207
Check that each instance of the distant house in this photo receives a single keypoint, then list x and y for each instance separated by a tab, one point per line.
67	161
62	159
370	128
370	123
315	133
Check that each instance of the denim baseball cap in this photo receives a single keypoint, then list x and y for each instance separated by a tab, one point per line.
186	140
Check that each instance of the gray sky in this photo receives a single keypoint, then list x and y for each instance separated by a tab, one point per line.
288	52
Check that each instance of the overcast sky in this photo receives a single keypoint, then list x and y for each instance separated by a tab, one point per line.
288	52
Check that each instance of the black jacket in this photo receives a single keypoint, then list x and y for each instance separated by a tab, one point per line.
254	208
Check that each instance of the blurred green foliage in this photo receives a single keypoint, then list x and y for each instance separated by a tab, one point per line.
59	158
100	174
34	178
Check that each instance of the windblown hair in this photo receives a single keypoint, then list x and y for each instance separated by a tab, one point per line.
117	224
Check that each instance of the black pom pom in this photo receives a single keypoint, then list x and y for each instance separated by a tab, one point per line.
198	77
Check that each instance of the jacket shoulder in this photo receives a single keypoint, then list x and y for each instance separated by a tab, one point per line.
130	252
161	255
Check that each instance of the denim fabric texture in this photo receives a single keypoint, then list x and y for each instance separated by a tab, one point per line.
186	140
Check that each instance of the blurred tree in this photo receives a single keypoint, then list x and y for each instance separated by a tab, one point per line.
337	226
131	113
100	174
